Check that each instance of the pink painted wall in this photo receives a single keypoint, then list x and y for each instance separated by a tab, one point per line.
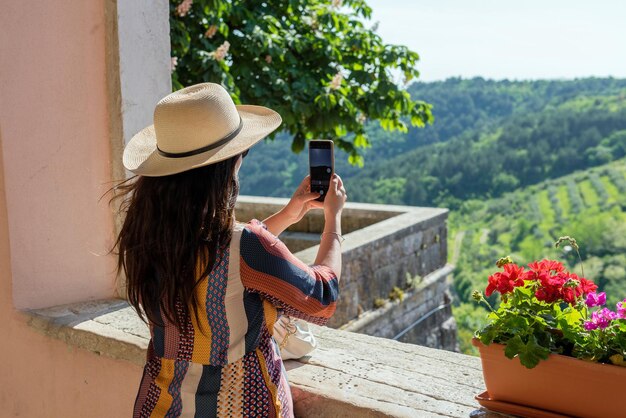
43	377
54	161
54	128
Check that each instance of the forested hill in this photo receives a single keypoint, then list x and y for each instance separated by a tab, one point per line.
486	123
522	149
460	105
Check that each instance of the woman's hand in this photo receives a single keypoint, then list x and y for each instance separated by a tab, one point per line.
335	198
302	201
329	252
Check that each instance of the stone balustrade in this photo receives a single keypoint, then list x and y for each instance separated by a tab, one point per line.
350	375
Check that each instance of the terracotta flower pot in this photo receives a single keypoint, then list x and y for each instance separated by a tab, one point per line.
561	384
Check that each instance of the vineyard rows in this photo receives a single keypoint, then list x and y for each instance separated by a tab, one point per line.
524	224
549	205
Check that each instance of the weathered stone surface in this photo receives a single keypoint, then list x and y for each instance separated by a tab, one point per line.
423	317
350	375
374	377
379	257
108	327
355	215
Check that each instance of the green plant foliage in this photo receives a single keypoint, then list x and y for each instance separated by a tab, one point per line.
530	353
315	62
469	318
396	294
547	309
379	303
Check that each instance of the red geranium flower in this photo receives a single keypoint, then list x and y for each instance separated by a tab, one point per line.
504	282
544	266
562	286
550	287
587	286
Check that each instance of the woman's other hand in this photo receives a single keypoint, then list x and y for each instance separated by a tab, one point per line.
335	198
302	201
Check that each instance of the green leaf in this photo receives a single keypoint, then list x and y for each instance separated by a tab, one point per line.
298	143
529	353
360	141
487	334
356	159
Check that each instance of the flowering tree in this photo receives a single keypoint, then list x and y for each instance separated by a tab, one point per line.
314	61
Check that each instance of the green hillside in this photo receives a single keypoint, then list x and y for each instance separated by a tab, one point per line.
589	205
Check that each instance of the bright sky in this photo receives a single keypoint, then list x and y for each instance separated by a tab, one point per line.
521	39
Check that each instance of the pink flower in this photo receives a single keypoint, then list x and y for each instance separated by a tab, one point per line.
174	63
621	309
335	84
210	32
595	299
600	319
220	53
183	8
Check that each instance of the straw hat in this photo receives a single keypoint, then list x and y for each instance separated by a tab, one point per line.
194	127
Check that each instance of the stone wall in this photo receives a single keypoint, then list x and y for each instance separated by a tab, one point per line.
385	247
423	316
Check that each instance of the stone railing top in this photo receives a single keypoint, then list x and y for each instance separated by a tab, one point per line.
349	375
355	215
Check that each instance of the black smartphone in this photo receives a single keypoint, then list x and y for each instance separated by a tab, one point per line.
321	166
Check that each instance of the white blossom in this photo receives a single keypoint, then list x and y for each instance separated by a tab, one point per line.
336	82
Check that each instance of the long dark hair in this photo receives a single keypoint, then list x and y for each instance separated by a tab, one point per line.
174	227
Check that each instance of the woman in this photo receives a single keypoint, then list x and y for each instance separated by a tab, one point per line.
210	287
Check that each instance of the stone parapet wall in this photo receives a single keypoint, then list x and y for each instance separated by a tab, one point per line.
385	245
378	263
423	316
348	375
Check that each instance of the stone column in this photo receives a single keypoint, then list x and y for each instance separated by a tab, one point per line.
138	69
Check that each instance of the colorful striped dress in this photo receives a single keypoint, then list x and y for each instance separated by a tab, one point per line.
234	368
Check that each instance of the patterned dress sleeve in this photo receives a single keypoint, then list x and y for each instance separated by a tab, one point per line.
270	269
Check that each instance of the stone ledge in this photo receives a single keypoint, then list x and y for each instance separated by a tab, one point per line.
358	375
349	375
399	224
107	327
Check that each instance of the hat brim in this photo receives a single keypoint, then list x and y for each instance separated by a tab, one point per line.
141	156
